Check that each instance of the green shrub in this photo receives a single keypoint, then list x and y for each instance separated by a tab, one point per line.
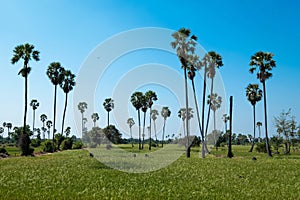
67	144
48	146
77	145
261	147
3	150
35	142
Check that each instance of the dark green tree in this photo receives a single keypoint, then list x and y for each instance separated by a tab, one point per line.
136	100
108	105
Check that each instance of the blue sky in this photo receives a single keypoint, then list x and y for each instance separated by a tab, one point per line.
68	31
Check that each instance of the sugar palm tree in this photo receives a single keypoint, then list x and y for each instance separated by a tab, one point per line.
34	104
225	120
182	114
82	106
25	52
185	47
43	118
136	100
108	106
95	118
154	113
264	63
68	131
7	125
165	113
66	85
150	97
254	95
215	102
130	123
49	125
259	124
56	76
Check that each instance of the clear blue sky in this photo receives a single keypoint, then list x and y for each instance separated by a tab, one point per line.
67	31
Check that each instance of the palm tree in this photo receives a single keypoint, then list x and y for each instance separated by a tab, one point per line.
67	85
215	102
34	104
225	120
7	125
150	97
108	106
25	52
183	115
68	131
265	63
56	76
136	100
1	132
154	113
185	48
254	95
49	124
130	123
95	117
259	124
165	113
82	106
43	118
144	110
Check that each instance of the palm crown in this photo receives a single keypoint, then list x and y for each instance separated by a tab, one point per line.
253	93
215	101
68	81
55	73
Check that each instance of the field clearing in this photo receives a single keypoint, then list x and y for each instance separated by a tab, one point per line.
75	175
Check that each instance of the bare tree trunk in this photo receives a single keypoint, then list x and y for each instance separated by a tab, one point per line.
54	117
131	136
150	130
203	112
266	123
163	135
254	125
230	154
33	119
144	124
139	119
188	148
64	115
107	119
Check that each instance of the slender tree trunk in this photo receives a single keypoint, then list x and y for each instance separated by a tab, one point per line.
94	124
230	154
107	119
259	134
150	129
82	128
198	118
254	124
25	110
266	123
163	135
64	115
33	119
131	136
154	124
139	119
144	123
203	111
44	129
215	131
188	148
209	106
54	117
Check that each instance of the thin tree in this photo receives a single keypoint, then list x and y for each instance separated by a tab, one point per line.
263	61
56	76
43	118
144	110
165	113
185	49
108	105
136	100
95	118
259	124
34	104
49	125
154	113
25	52
66	85
130	123
150	97
82	106
230	154
214	101
254	95
185	115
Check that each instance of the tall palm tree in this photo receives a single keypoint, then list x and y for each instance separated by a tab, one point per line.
225	120
43	118
215	102
144	110
136	100
130	123
154	113
165	113
34	104
56	76
150	97
263	61
82	106
67	85
68	131
49	125
25	52
254	95
185	49
95	118
259	124
7	125
184	115
108	106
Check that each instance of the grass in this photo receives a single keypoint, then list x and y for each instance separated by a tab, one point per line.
75	175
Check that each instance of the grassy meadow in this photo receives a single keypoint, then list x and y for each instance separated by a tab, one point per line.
73	174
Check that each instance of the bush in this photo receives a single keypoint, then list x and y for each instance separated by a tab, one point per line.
35	142
3	150
261	147
67	144
48	146
77	145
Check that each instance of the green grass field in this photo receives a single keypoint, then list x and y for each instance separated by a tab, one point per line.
75	175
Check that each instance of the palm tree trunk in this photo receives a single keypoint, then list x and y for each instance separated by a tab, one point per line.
44	129
188	148
266	123
259	134
209	107
203	111
107	119
82	123
150	130
215	131
54	117
254	124
64	115
230	154
25	110
198	118
139	119
154	124
163	135
144	122
131	136
33	119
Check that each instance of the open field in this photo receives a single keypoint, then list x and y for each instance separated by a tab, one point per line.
75	175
